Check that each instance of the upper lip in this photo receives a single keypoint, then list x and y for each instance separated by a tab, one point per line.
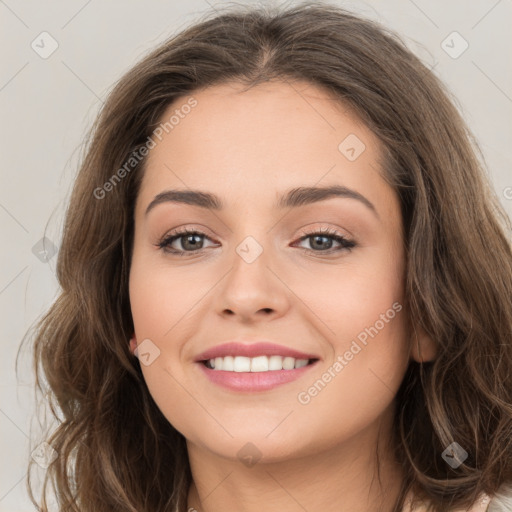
260	348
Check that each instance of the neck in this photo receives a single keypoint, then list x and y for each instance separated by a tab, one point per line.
341	478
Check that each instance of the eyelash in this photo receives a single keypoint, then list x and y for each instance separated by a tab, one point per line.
346	244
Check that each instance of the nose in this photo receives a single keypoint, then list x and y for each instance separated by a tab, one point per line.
252	290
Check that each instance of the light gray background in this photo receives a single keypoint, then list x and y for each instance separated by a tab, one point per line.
48	104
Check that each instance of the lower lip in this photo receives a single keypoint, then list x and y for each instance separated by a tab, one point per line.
254	381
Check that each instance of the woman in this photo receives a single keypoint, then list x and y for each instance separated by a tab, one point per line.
286	283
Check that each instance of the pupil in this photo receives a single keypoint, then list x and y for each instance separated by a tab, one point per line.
190	239
316	238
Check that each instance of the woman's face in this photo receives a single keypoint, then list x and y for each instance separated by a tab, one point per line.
266	268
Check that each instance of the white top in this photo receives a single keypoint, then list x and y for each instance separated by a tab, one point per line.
500	502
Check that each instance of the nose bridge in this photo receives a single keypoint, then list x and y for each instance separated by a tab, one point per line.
251	286
251	233
252	248
251	258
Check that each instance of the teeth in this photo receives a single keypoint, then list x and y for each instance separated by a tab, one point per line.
258	364
255	364
241	364
288	363
275	363
228	363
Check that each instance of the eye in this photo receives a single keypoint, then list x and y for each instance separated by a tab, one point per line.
323	240
189	241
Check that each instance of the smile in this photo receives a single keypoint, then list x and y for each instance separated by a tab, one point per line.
256	364
254	374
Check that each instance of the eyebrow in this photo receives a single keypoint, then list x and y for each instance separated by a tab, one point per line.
293	198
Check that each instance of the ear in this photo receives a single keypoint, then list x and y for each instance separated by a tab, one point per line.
133	343
423	347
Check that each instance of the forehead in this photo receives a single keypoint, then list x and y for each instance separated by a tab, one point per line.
248	144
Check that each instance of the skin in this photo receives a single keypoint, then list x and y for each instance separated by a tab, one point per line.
248	148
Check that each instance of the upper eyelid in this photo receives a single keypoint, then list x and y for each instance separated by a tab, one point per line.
330	231
312	227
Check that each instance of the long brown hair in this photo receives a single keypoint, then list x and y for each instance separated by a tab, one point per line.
116	451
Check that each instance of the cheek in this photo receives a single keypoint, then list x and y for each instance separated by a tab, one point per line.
353	294
161	297
158	303
164	303
354	389
363	318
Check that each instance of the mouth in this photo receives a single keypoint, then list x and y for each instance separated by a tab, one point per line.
242	374
258	364
250	367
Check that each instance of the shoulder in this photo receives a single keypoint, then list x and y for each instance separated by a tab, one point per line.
500	502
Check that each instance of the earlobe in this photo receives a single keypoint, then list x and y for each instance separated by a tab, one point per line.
423	347
133	343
